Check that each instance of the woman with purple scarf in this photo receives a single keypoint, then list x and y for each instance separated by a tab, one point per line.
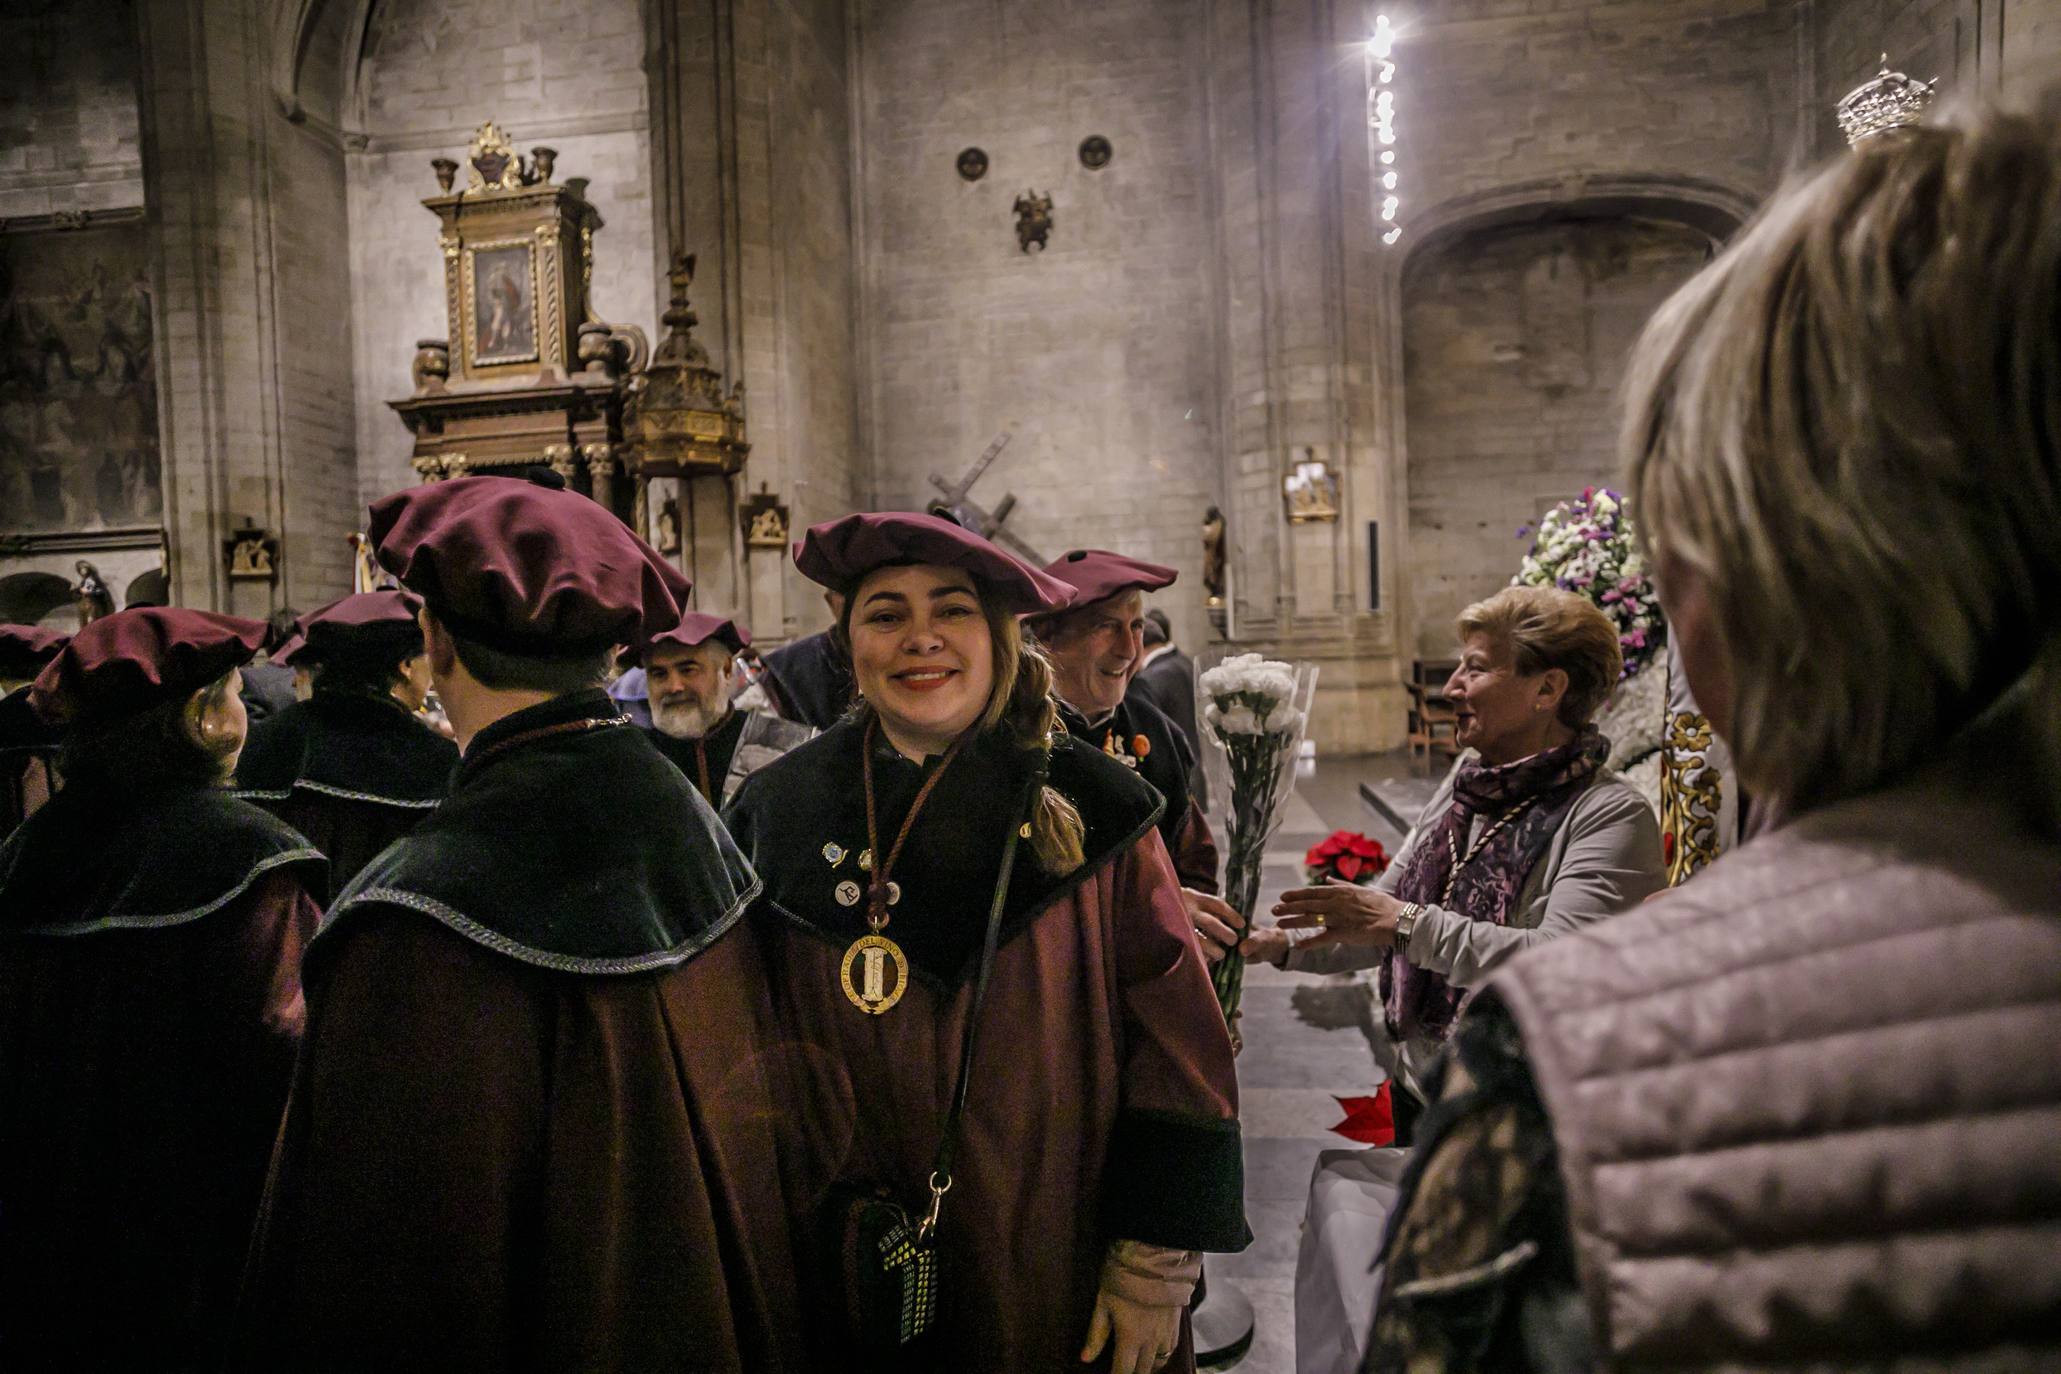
1527	839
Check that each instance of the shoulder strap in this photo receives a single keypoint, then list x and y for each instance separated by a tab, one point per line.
941	1168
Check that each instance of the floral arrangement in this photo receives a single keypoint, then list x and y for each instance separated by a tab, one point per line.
1586	546
1347	856
1253	713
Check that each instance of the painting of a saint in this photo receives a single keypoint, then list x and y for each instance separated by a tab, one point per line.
504	317
78	399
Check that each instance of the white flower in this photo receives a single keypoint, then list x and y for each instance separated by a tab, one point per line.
1239	720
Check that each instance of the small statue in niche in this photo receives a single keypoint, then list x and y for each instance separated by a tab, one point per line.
1213	555
91	596
1033	220
669	526
764	520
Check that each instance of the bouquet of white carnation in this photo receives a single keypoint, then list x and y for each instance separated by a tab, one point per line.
1253	713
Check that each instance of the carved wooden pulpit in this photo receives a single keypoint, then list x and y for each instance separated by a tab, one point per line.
527	375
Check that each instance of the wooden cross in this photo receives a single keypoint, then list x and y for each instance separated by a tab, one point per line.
955	504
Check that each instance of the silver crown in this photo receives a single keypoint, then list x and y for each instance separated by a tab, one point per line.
1891	101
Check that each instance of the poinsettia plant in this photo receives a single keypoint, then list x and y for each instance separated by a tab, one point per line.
1347	856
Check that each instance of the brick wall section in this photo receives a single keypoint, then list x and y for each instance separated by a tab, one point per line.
1515	344
70	137
1097	354
570	77
1498	92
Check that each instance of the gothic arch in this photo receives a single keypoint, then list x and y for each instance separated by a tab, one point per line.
294	49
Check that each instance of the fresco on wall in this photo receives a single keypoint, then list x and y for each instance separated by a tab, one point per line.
78	392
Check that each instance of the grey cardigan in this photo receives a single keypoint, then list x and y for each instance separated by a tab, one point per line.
1603	860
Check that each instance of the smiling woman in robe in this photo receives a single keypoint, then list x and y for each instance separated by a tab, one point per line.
1101	1054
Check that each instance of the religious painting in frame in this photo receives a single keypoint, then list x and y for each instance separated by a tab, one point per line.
78	382
501	293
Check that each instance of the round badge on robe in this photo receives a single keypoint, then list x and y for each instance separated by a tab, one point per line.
847	893
882	973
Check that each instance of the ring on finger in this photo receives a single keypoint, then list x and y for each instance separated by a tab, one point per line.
1320	922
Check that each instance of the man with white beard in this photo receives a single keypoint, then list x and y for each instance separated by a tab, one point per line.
689	671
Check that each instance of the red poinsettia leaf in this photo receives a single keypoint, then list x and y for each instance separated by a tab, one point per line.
1349	867
1369	1120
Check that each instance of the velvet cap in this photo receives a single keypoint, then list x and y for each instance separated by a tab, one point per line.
130	661
699	627
524	569
1095	574
24	649
357	616
838	553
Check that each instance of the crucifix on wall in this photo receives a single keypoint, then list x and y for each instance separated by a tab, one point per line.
955	504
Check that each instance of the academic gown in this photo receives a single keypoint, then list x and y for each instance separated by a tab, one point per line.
28	755
531	1127
353	773
811	680
1103	1102
150	1009
1168	682
708	766
1141	737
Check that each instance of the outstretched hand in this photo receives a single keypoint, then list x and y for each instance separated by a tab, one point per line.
1341	913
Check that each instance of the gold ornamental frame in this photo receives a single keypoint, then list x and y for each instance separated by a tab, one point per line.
469	303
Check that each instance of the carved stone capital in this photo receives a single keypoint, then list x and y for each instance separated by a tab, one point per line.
600	459
430	467
559	458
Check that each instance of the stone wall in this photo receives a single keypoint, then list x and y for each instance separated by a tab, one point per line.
1096	354
1561	93
1516	341
431	72
1972	48
70	137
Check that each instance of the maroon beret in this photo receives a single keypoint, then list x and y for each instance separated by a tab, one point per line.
525	569
838	553
1095	574
288	647
350	617
24	649
698	627
133	660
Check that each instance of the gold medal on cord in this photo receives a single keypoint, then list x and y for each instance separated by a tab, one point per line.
869	965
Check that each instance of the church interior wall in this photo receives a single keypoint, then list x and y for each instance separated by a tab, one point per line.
1096	354
795	288
421	78
1516	339
79	454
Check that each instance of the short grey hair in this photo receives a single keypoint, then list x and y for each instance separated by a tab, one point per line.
1847	428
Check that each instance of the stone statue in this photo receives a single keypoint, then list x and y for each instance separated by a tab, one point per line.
93	598
1213	555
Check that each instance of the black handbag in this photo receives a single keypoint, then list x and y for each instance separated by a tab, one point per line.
884	1260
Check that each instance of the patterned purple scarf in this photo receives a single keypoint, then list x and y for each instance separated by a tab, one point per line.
1415	1000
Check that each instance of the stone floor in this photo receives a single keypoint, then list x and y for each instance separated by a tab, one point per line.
1305	1045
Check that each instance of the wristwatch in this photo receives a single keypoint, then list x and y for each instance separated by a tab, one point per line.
1405	922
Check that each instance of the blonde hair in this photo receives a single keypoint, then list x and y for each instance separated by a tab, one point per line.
1549	628
1846	428
1020	703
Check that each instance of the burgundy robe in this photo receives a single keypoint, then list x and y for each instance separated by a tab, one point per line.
150	1009
1103	1102
353	773
532	1125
